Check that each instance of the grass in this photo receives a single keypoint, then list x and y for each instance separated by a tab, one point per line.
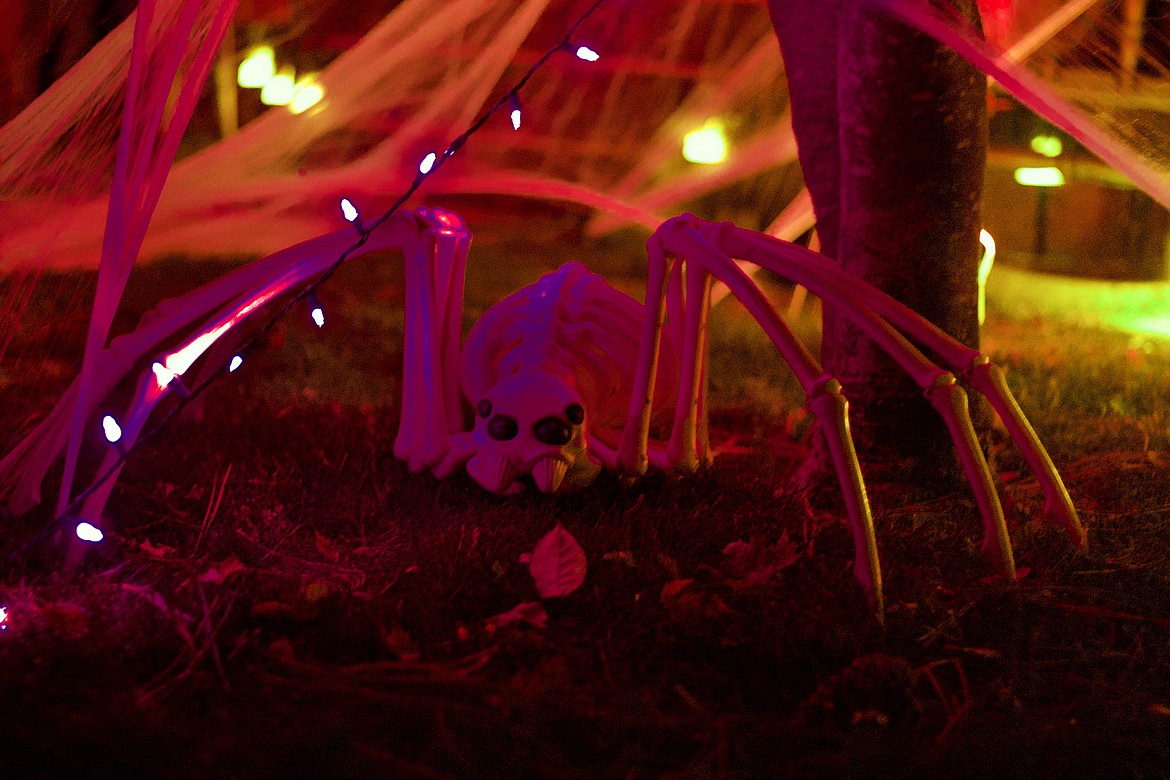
280	598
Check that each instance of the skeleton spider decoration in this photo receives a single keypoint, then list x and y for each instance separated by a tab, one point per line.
567	375
553	358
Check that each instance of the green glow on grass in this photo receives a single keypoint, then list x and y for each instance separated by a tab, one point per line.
1140	308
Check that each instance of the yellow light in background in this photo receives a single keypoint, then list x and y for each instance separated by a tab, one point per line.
306	94
257	68
279	89
1039	177
706	146
1047	145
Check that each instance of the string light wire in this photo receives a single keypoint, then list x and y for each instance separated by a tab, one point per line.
187	394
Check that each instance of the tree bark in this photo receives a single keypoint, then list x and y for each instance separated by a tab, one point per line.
891	128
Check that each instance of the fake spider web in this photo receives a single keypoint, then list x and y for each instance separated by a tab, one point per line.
604	138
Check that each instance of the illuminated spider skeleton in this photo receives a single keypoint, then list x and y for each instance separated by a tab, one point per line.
566	375
543	367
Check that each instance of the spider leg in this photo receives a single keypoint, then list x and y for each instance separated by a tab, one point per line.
824	393
826	279
684	449
434	264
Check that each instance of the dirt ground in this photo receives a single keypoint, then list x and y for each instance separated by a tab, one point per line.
278	597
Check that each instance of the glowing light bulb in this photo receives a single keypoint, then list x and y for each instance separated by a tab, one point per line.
1047	145
3	618
88	532
278	90
587	54
319	317
237	361
427	163
985	264
306	94
514	110
348	210
1039	177
257	68
111	428
706	146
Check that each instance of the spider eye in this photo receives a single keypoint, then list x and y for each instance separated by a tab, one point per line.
551	430
503	428
484	408
575	413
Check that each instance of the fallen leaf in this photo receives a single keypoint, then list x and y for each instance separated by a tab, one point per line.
160	551
222	570
328	549
399	641
557	564
530	612
625	556
754	563
316	591
686	603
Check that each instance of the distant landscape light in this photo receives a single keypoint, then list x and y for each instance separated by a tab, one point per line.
706	146
1039	177
257	68
87	532
1047	145
306	94
111	428
587	54
279	89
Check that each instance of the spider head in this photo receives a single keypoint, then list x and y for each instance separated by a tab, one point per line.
531	424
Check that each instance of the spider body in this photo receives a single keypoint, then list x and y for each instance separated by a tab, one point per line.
549	373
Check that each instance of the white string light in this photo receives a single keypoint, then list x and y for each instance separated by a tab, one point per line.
87	532
111	428
168	378
316	311
514	111
3	618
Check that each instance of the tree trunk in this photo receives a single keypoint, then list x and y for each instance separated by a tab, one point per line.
891	128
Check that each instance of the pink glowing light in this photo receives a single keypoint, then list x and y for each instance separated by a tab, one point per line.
87	532
176	363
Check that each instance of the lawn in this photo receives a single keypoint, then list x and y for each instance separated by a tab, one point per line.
278	597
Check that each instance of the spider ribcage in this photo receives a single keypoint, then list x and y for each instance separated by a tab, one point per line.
572	325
